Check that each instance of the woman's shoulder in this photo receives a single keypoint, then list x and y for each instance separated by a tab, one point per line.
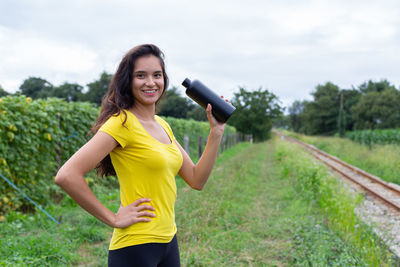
122	119
120	127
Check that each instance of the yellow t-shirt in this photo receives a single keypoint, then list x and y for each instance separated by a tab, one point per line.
146	168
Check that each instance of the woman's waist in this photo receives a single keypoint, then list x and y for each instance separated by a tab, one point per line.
123	238
160	229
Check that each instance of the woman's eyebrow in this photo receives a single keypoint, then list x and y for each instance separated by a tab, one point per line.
142	71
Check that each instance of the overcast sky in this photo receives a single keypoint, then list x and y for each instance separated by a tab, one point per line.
287	47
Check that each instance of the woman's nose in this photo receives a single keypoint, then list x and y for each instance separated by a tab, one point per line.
150	82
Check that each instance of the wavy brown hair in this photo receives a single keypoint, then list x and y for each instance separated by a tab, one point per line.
120	97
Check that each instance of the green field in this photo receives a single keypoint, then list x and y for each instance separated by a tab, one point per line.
375	137
264	205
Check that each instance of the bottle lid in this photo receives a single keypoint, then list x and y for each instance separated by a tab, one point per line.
186	83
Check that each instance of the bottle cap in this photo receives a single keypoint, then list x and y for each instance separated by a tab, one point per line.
186	83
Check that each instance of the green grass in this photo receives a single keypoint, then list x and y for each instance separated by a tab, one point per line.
380	160
35	240
250	213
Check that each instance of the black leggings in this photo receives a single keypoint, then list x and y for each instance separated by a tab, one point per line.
146	255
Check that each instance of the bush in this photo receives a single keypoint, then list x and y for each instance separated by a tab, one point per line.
35	138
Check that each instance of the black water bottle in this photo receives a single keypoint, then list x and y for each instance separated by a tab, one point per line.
202	95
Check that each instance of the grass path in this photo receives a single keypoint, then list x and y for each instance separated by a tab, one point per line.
244	216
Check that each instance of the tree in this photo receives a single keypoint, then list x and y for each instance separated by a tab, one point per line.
350	98
197	113
282	121
98	89
3	92
36	87
254	112
321	115
296	116
378	110
341	118
174	105
68	91
372	86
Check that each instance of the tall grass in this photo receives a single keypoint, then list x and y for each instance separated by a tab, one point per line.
315	184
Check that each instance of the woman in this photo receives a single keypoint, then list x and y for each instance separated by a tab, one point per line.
130	141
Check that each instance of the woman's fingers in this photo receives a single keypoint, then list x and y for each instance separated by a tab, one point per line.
134	213
213	121
210	116
208	111
140	201
226	99
144	207
146	213
143	219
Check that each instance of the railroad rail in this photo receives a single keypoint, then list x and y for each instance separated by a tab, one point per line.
387	192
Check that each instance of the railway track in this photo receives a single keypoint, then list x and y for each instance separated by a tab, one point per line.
386	192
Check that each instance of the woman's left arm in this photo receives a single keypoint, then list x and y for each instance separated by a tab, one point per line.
197	175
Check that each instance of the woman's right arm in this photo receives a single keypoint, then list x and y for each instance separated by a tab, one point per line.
71	179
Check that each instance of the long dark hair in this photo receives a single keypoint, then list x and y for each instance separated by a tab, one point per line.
119	95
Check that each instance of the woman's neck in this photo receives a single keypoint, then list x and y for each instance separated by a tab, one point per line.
144	113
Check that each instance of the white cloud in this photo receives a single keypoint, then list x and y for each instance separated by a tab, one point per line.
28	54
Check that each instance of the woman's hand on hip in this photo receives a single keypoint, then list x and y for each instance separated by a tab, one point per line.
134	213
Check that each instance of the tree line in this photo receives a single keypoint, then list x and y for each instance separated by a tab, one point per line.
255	109
371	105
39	88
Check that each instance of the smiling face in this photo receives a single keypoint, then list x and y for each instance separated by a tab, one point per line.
148	80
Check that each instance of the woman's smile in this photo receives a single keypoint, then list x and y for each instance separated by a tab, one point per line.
150	92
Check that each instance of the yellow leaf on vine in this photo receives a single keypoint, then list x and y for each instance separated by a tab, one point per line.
10	136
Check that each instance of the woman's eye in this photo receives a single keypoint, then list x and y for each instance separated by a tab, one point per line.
158	75
139	75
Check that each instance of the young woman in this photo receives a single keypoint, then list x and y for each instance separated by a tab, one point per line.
132	142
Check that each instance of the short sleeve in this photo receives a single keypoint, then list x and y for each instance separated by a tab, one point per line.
113	126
